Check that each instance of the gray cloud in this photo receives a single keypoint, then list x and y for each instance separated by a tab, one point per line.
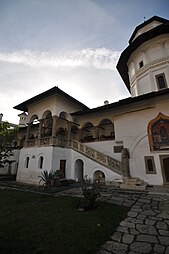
88	75
100	58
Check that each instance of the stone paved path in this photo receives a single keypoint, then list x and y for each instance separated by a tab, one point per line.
146	227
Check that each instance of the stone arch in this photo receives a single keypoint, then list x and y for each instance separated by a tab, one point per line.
87	132
40	162
79	170
34	124
98	176
158	133
34	119
106	129
47	114
27	161
64	115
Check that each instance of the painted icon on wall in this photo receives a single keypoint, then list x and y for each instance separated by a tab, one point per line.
158	133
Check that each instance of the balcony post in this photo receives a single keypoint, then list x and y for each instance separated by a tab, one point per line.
54	127
28	131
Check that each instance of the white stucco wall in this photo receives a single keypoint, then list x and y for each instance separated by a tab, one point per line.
154	54
91	166
30	174
132	129
106	147
55	104
52	157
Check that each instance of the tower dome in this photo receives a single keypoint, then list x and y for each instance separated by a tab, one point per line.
144	64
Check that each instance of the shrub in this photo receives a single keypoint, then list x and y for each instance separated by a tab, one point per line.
90	196
47	178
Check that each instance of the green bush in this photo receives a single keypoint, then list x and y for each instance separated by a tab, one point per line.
90	196
47	178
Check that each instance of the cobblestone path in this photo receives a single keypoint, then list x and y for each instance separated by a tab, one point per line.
146	227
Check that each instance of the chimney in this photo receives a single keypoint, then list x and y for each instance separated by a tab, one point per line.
1	115
106	102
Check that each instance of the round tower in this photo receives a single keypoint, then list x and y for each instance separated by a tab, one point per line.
144	64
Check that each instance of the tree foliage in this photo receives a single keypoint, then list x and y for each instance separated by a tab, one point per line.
7	143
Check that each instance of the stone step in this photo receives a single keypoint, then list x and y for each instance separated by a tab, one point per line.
133	187
138	182
133	183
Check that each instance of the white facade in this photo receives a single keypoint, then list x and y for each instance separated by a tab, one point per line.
87	142
154	56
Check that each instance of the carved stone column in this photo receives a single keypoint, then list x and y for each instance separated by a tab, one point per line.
54	127
40	128
28	131
69	124
80	134
96	132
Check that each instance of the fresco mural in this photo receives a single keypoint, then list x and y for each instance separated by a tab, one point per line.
158	133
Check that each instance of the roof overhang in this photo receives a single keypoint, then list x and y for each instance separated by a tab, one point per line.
122	63
51	92
123	103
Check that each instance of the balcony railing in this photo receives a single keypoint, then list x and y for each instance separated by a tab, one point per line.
46	141
97	156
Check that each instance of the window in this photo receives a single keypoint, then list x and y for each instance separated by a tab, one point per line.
118	149
150	165
27	162
161	81
40	164
141	64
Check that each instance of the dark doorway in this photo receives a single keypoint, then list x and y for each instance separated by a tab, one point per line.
63	167
165	167
79	170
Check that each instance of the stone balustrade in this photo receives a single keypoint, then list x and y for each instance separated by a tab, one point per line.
97	156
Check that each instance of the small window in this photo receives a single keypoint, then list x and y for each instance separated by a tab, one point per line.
150	165
141	64
27	162
161	81
40	162
118	149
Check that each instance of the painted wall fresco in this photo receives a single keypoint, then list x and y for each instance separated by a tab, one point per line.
158	133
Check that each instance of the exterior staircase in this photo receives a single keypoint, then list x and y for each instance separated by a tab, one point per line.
133	183
105	160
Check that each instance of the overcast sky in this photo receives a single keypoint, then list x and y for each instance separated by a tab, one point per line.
72	44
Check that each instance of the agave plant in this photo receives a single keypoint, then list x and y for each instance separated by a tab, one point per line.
46	177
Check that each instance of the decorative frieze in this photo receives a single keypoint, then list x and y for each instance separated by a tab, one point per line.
99	157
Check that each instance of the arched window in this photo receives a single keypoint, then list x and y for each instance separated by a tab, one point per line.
106	130
87	133
27	162
40	162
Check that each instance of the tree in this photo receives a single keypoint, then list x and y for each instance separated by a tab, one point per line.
7	143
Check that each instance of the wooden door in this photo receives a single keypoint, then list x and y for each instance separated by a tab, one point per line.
63	167
166	169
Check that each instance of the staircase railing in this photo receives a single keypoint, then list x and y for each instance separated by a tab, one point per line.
97	156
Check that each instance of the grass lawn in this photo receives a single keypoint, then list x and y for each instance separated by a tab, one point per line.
35	223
